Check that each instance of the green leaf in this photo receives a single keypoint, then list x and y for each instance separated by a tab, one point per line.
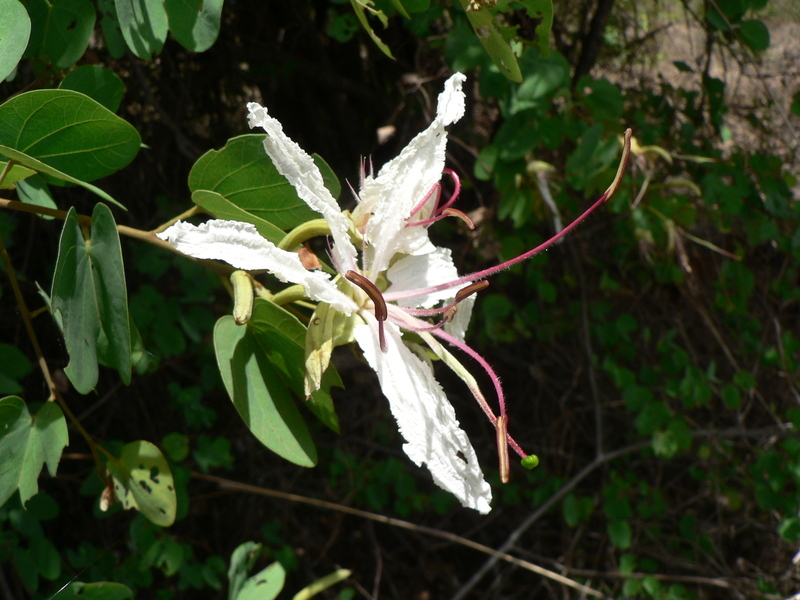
265	585
755	35
245	357
542	12
67	131
41	167
27	444
15	30
61	30
222	208
14	176
498	49
194	23
98	83
144	25
14	366
34	190
90	296
242	560
243	174
277	328
101	590
360	7
620	534
143	481
112	32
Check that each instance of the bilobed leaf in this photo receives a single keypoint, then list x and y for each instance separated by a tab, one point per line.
242	560
222	208
98	83
143	481
194	23
101	590
61	30
144	25
264	585
27	444
90	296
260	396
243	174
73	297
15	30
68	131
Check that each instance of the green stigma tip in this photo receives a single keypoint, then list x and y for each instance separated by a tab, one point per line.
530	462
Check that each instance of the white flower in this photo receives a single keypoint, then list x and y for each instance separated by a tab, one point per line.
404	192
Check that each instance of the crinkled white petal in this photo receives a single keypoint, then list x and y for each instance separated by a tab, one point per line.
425	418
240	245
405	180
298	167
420	272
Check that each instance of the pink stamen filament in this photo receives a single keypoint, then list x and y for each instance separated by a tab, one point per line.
525	256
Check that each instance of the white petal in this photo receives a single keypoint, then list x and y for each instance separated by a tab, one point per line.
240	245
404	181
419	272
298	167
425	418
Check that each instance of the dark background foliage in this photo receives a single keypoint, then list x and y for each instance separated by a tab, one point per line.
650	360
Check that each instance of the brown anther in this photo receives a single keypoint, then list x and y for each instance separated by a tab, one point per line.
502	448
454	212
472	288
374	294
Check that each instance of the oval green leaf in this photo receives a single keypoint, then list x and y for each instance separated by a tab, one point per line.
68	131
258	392
143	481
194	24
61	30
15	30
144	25
98	83
243	174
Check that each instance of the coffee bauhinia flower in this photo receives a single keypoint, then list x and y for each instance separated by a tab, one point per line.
393	289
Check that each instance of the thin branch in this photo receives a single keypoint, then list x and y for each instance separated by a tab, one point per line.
445	535
585	472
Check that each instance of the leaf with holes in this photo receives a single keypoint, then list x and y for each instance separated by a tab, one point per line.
143	481
264	585
61	30
27	443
